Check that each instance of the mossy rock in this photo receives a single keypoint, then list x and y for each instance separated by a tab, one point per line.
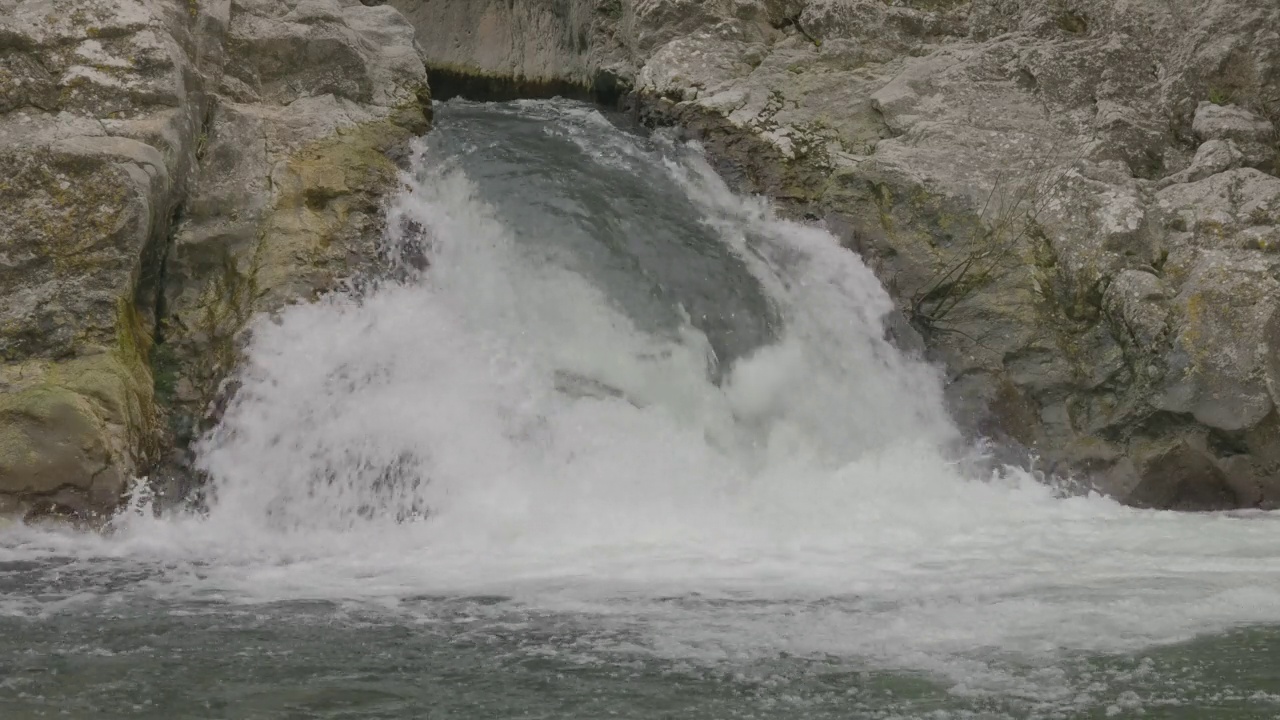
76	405
325	221
321	227
77	430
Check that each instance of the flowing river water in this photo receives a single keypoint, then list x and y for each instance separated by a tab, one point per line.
630	446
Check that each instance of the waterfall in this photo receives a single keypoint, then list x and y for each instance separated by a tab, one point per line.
601	386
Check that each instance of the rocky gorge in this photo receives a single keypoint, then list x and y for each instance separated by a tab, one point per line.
1074	202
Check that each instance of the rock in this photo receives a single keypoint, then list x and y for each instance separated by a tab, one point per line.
1212	157
1254	137
1179	476
75	432
534	42
1136	302
1229	293
1124	223
294	164
100	104
1108	168
270	123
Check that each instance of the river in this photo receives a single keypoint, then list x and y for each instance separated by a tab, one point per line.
629	446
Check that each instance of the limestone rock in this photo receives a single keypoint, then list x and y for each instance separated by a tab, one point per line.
294	162
1212	157
1229	293
99	104
1137	304
532	41
1253	136
259	119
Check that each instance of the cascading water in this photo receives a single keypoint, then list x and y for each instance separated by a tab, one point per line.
684	353
635	428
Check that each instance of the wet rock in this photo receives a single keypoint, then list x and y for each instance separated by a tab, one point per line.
251	120
294	165
1181	477
99	103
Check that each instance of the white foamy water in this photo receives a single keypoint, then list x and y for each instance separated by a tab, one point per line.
501	426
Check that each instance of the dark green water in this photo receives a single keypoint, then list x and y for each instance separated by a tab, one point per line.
481	658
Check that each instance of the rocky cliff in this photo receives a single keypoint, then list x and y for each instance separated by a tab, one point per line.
167	169
1075	202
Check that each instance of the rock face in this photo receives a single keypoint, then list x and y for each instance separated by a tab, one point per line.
1074	201
261	126
507	50
314	98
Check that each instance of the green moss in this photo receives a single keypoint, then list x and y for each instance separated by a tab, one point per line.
1212	228
38	402
43	431
1220	96
132	352
611	9
303	240
81	417
164	371
414	113
1070	21
883	197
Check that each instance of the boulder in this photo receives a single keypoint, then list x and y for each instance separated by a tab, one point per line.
99	104
1253	137
316	99
1211	158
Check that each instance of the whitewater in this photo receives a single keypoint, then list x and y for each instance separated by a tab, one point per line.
623	419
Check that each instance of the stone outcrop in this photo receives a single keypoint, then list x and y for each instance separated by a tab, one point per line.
504	49
1074	201
168	168
314	100
101	103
